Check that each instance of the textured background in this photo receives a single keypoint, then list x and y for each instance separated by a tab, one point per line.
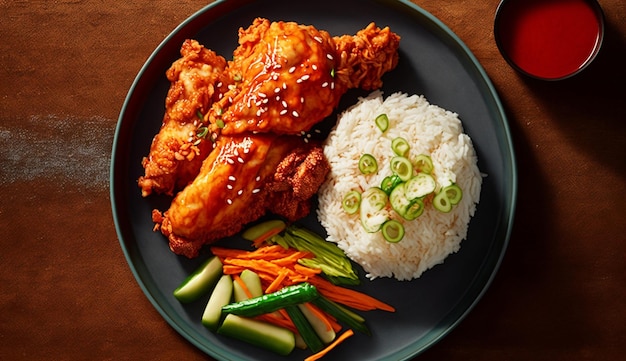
67	292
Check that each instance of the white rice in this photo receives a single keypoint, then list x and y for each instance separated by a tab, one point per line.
430	130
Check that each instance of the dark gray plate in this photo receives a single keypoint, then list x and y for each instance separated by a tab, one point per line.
433	62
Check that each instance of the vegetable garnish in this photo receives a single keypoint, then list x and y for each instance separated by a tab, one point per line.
270	302
389	183
328	348
447	197
393	231
402	167
400	146
423	163
382	122
351	202
368	164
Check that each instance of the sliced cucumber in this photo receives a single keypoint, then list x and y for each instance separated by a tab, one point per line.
325	333
200	282
258	333
220	297
420	186
402	167
253	284
373	201
399	201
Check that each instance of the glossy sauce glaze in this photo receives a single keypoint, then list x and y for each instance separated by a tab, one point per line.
549	39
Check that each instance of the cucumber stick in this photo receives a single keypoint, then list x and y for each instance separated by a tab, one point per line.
200	282
253	284
221	295
258	333
305	329
325	333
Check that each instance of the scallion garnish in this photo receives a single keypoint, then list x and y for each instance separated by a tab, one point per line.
402	167
382	122
393	231
400	146
368	164
351	202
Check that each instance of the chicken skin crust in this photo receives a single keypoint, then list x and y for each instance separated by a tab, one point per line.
242	179
175	154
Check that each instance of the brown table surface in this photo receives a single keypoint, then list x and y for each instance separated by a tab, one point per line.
67	292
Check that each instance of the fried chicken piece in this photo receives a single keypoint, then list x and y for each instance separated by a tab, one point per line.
241	180
292	76
176	153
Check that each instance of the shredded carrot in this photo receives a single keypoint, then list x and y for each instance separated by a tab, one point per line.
330	346
275	285
243	286
277	320
349	297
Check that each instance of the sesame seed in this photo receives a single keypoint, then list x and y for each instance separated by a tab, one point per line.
240	160
230	161
332	85
302	132
246	150
317	131
220	96
240	192
258	178
230	99
284	104
275	77
292	69
314	66
195	123
197	142
278	98
258	113
265	101
276	90
190	139
229	186
330	57
236	152
256	190
219	85
298	81
229	201
284	85
305	77
232	178
325	84
191	134
262	95
306	140
302	100
283	112
295	114
318	39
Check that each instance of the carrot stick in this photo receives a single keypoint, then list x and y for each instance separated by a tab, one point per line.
330	346
276	283
265	236
278	321
243	286
349	297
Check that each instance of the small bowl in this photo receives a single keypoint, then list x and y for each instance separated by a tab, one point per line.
549	39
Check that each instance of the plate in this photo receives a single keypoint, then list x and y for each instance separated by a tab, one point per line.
433	62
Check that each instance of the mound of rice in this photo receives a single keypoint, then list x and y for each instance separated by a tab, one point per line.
430	130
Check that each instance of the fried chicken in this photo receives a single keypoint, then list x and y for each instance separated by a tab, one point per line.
175	154
246	176
284	78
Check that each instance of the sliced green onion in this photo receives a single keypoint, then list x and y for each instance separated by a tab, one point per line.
393	231
442	203
400	146
414	210
368	164
389	183
420	186
454	193
382	122
220	123
202	132
199	114
423	163
398	199
402	167
351	202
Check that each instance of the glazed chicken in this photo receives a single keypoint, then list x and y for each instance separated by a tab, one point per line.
245	177
284	78
175	154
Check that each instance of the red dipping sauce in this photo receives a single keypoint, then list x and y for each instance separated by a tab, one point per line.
549	39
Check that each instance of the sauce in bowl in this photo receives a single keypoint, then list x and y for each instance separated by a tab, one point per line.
549	39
